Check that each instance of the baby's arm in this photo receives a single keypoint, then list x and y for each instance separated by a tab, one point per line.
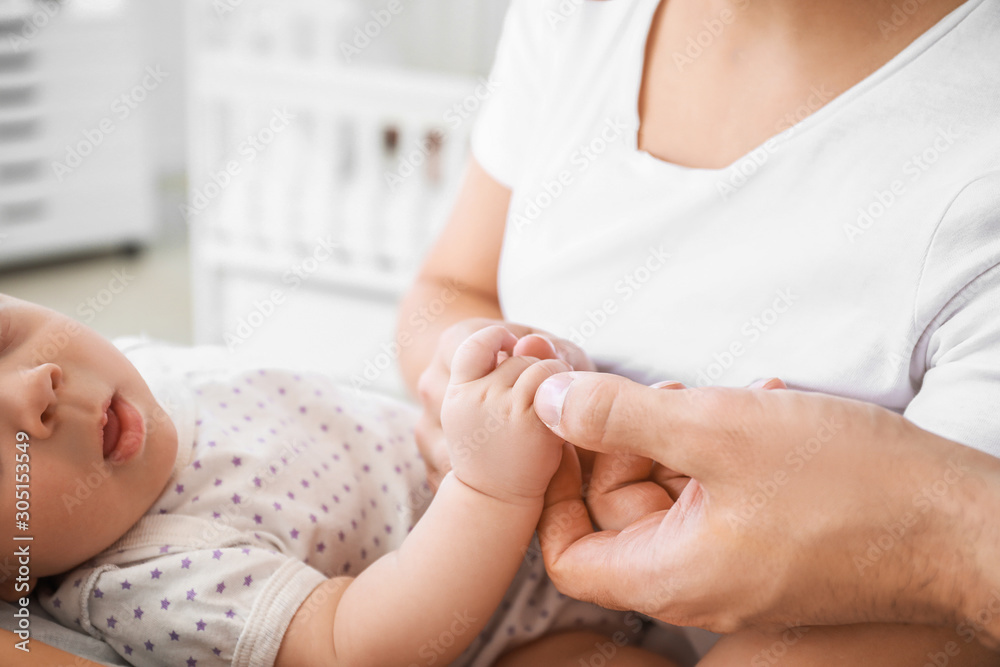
424	603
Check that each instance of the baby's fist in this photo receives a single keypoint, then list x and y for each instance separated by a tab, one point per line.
497	443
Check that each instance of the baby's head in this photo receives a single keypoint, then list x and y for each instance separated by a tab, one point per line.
85	449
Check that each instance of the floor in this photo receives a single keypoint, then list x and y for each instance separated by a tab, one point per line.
116	295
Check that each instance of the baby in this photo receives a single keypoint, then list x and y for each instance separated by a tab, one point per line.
259	517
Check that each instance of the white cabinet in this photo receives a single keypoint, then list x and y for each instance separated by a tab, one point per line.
74	173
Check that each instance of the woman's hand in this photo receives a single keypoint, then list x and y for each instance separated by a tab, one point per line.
792	495
434	381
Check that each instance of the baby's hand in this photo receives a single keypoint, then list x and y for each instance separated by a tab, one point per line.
498	445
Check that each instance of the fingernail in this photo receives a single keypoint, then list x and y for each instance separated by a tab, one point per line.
550	397
667	383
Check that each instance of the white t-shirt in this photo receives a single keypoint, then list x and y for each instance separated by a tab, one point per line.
855	253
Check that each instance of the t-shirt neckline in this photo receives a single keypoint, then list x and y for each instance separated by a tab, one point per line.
638	66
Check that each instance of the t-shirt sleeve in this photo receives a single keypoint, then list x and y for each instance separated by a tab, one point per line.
226	606
959	349
503	129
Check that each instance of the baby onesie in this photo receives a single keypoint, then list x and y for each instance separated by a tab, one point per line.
283	480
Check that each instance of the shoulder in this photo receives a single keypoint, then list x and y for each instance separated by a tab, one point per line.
964	248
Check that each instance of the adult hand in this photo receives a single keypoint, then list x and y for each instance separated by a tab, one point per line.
803	509
434	381
625	487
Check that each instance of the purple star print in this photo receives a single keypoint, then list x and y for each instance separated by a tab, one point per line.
191	594
164	603
112	622
200	625
138	612
155	574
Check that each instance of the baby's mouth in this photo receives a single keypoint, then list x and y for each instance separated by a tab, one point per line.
112	430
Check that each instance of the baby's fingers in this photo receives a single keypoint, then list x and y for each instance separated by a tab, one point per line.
476	356
534	375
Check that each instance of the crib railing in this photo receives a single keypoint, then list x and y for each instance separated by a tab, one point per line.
294	153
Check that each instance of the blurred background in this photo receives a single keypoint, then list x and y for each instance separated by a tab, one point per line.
259	174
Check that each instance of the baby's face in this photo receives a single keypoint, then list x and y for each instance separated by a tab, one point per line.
99	447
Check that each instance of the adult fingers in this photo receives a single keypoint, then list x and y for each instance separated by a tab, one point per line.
433	448
609	413
565	518
611	568
620	491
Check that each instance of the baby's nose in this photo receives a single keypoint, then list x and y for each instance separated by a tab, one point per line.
35	401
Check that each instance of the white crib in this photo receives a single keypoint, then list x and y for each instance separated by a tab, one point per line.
316	186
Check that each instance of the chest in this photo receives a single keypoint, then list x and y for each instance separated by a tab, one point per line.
711	90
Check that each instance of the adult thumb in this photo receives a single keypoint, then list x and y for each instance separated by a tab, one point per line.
609	413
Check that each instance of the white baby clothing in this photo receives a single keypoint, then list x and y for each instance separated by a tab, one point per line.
856	252
282	480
